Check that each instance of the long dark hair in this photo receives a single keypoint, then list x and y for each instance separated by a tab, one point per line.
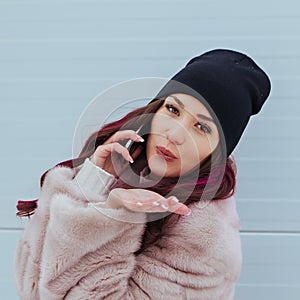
215	179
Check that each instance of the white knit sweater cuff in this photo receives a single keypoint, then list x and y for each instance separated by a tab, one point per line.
92	178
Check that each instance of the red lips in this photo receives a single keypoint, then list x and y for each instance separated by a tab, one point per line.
165	153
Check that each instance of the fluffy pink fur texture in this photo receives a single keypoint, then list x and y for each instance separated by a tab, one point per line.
70	250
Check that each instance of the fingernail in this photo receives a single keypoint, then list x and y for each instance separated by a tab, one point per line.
139	204
155	203
164	206
188	213
140	139
174	199
183	210
131	160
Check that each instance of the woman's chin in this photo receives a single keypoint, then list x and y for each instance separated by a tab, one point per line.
158	172
158	167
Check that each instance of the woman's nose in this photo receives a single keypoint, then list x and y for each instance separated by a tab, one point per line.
176	134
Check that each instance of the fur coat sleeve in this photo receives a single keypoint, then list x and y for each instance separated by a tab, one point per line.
70	250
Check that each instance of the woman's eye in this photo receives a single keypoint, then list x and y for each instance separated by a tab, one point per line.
204	128
172	109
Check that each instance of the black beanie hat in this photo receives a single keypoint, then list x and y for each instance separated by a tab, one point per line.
231	86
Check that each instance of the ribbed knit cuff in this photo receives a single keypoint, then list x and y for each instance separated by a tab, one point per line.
91	178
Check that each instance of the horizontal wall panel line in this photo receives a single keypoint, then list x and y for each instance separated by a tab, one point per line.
170	17
285	118
241	158
273	200
256	285
150	40
83	100
100	80
9	229
270	232
85	12
20	22
168	57
145	15
279	139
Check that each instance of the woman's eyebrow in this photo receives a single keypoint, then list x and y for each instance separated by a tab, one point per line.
178	101
206	118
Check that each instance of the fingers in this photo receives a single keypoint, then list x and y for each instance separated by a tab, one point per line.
103	151
141	200
177	207
171	204
123	135
112	145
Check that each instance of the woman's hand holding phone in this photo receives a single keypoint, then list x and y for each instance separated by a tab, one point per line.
102	155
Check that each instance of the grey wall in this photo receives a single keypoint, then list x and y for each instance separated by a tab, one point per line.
55	56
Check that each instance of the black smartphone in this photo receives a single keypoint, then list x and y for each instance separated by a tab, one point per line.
130	142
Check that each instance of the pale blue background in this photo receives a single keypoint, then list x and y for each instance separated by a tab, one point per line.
55	56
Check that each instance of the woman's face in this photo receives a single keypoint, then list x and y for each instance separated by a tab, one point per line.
182	135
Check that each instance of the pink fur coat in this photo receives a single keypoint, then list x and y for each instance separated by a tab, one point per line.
70	250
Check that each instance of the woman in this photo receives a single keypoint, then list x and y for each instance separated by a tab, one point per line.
135	222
